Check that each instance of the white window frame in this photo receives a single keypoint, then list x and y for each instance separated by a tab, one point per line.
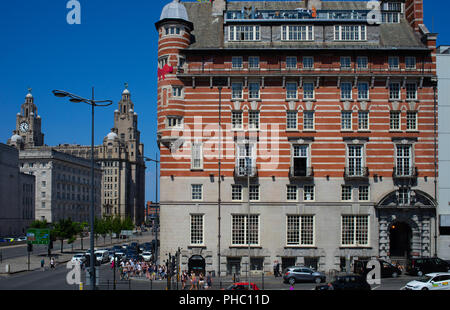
177	119
253	193
398	94
350	33
342	193
234	91
177	92
345	124
360	192
195	226
355	163
365	121
237	122
411	95
193	186
290	193
308	60
297	33
410	120
353	230
395	118
290	63
366	63
408	61
251	62
291	94
233	192
241	33
240	62
308	91
289	119
405	163
252	92
346	63
197	155
253	123
394	62
245	233
305	128
295	230
367	93
305	194
346	90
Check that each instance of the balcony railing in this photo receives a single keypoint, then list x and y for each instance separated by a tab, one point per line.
356	172
405	172
245	171
306	173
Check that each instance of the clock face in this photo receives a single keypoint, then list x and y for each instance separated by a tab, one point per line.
24	127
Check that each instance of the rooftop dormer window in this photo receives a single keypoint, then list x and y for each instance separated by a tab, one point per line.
173	30
244	33
297	33
350	33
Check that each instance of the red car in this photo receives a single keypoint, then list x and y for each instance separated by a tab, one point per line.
241	286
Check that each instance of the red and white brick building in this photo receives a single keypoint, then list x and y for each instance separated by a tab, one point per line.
328	137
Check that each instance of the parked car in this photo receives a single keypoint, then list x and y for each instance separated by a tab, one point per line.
9	240
102	256
302	274
87	260
388	270
346	282
117	248
431	281
2	240
147	256
424	265
242	286
80	257
21	239
119	256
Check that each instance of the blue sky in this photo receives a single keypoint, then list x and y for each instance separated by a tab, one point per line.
115	43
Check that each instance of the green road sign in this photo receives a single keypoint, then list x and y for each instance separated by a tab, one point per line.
38	236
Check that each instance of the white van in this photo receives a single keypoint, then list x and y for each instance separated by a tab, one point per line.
102	256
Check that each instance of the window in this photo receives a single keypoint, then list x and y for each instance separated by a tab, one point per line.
245	159
44	183
346	63
363	91
346	194
291	90
162	61
197	157
300	230
411	120
236	119
236	90
355	230
291	62
362	63
297	33
177	91
173	30
308	91
254	192
403	160
174	122
308	120
390	17
350	33
291	120
43	194
308	62
253	119
395	120
363	120
292	192
346	120
393	63
244	230
394	91
410	63
355	160
253	62
346	91
244	33
411	91
196	229
364	193
236	192
253	90
236	62
308	193
197	191
300	160
404	196
43	205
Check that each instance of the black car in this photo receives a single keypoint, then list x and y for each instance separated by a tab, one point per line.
388	270
424	265
346	282
87	261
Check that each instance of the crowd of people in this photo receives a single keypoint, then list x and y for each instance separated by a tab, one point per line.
133	268
195	282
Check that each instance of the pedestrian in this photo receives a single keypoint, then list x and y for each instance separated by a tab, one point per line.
42	264
201	281
193	282
275	269
52	263
183	280
278	270
208	280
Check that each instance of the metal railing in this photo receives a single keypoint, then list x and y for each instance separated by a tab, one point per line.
245	171
356	172
308	172
405	172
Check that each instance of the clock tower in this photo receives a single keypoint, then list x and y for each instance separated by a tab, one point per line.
28	123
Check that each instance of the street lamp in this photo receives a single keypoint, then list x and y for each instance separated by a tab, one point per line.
156	203
93	103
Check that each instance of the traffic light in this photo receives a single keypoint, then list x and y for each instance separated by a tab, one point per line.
30	247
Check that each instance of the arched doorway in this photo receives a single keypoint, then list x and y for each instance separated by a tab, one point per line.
400	235
196	264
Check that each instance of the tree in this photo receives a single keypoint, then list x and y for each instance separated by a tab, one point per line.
40	224
64	229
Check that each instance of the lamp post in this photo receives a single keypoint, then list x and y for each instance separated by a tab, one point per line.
156	203
93	103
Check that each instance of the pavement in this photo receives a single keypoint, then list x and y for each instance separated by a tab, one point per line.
16	256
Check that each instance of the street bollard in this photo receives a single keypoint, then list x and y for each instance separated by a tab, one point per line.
81	286
8	268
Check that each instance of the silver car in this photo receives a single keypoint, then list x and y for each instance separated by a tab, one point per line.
302	274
